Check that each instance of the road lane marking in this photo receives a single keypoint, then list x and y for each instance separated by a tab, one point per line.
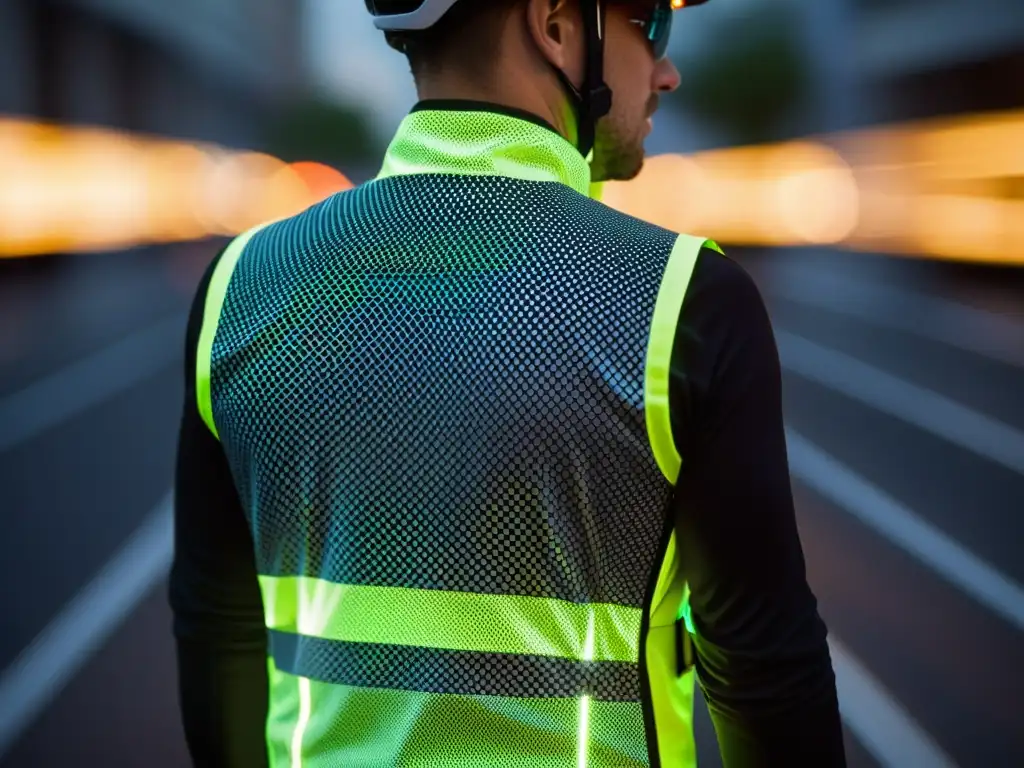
916	405
873	507
879	722
90	381
39	673
970	329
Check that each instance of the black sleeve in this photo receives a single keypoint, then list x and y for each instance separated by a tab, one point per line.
214	594
762	658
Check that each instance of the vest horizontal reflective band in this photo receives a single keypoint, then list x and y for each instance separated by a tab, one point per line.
458	621
380	726
444	399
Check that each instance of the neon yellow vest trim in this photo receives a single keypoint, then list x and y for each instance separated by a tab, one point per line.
215	294
483	144
671	694
459	621
659	350
379	734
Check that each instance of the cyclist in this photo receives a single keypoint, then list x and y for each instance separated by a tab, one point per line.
476	471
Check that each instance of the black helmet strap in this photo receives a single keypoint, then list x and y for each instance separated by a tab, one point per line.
593	100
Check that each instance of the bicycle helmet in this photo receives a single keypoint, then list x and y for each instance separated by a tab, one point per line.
593	99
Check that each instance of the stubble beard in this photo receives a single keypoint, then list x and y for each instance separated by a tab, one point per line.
618	154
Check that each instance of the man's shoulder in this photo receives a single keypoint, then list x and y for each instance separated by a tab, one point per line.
723	300
721	274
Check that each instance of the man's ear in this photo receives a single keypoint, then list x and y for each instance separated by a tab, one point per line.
557	30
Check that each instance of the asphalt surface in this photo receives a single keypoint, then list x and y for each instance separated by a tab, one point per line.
904	394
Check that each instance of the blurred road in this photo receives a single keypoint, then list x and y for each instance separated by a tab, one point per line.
904	390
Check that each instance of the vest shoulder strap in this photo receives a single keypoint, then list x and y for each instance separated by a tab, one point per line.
215	294
659	350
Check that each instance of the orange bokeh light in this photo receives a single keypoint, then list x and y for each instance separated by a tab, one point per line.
321	180
938	188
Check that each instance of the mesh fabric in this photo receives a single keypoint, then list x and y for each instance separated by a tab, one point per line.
448	372
436	381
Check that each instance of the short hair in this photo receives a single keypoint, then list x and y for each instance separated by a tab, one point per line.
464	39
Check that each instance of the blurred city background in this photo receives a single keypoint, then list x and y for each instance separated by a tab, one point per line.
864	160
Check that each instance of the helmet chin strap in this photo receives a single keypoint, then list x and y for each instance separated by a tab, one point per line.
593	100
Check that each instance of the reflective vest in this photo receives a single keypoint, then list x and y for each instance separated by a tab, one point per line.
444	399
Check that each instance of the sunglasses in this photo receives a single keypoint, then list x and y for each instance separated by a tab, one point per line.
656	23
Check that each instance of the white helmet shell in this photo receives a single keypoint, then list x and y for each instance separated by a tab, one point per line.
425	16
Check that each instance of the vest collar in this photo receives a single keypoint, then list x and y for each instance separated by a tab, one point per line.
472	138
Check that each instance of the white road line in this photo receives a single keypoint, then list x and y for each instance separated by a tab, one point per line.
33	680
90	381
872	506
916	405
881	724
971	329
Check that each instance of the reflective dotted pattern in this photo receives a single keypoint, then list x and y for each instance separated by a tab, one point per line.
433	670
437	382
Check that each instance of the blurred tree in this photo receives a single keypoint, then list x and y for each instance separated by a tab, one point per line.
752	79
327	132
